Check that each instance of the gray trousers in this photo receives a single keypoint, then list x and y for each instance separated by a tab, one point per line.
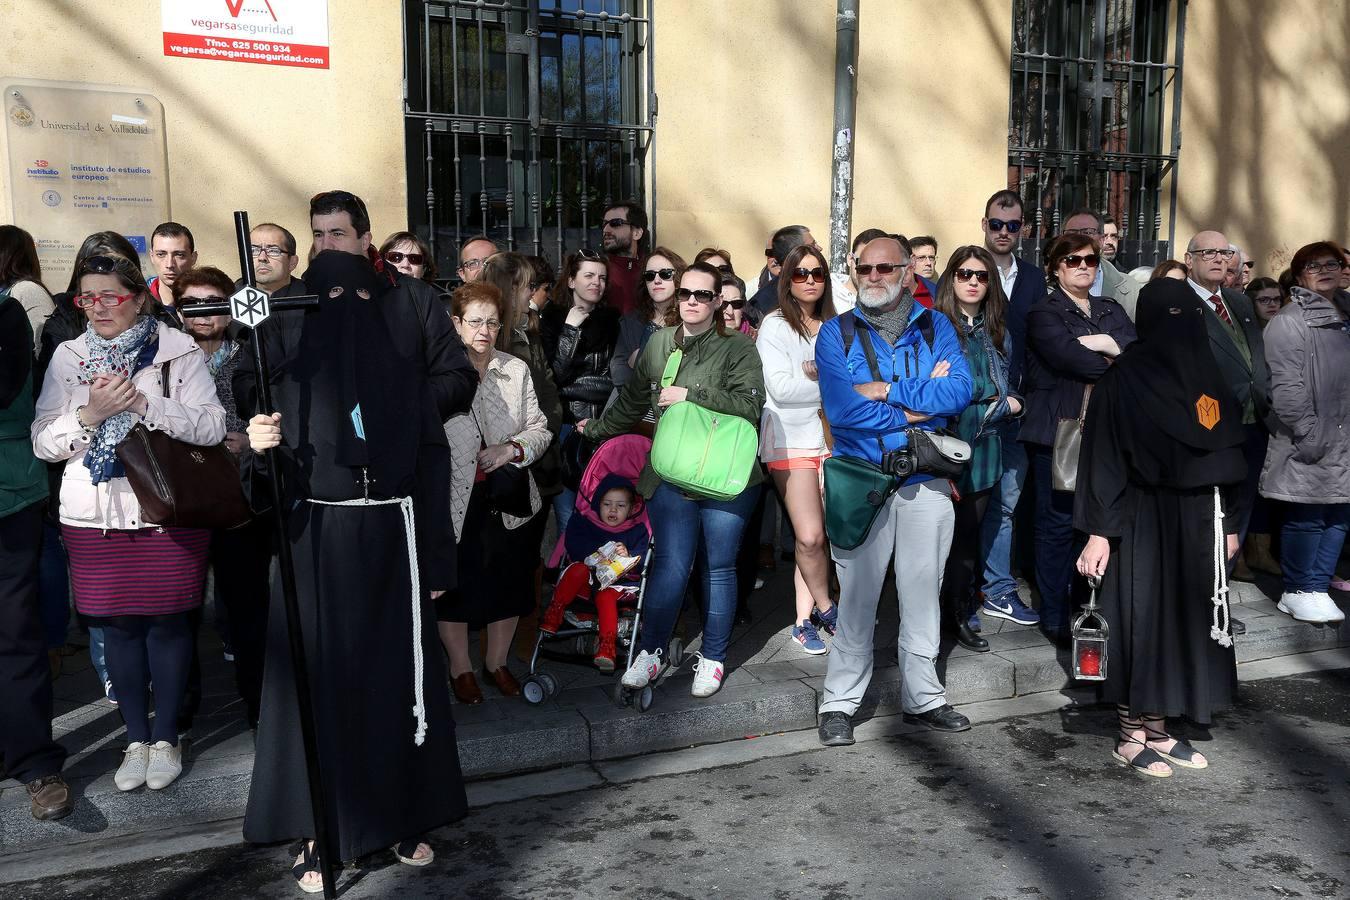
916	526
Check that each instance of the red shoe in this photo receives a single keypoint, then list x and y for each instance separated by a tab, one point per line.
553	618
604	655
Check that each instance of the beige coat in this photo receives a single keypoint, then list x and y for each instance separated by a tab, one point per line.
507	410
191	413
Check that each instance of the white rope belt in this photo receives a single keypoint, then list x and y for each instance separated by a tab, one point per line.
405	506
1220	630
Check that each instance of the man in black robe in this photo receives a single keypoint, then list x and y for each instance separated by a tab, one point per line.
360	389
1158	491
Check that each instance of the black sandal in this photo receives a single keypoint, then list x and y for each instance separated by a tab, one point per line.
1144	758
406	852
305	867
1182	753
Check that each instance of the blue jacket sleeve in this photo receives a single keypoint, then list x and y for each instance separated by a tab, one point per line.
938	396
845	407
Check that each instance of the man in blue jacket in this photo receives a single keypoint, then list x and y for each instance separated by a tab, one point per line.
920	380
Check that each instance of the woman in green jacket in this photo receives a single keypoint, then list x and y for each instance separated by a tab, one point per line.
720	371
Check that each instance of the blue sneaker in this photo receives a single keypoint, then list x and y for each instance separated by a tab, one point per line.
1011	607
805	634
828	621
974	624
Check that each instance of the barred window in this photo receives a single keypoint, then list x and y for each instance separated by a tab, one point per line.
1094	117
525	119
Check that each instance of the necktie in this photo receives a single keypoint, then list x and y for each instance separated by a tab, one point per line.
1220	310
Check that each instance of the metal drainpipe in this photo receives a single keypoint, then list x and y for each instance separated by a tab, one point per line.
845	108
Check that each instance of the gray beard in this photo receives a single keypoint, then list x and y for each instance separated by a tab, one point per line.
868	299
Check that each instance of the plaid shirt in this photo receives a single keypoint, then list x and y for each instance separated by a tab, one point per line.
986	450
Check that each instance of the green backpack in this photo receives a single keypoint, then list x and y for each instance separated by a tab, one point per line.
707	453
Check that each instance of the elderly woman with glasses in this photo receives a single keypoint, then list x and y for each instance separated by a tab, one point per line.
492	497
136	579
1308	459
1072	339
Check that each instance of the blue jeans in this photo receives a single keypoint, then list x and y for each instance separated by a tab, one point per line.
98	655
53	587
565	503
685	530
1057	544
996	531
1312	539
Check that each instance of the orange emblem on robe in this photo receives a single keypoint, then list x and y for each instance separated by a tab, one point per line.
1207	411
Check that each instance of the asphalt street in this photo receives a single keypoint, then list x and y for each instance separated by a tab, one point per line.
1028	806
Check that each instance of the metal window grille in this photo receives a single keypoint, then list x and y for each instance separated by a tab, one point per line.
1094	118
526	119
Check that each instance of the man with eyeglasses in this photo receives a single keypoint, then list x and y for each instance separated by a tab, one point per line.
1240	352
1110	283
924	256
274	259
1110	239
903	369
784	241
621	233
1237	264
473	253
1024	286
172	252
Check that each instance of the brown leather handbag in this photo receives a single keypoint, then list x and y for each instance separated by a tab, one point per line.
180	484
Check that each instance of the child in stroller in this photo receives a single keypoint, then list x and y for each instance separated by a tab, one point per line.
609	546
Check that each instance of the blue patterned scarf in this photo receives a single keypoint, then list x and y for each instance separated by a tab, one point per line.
124	355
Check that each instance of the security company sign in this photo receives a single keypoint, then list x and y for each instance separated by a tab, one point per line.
250	306
267	32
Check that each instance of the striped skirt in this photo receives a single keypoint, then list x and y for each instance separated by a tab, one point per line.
146	572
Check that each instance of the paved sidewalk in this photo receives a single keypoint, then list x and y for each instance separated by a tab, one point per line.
772	687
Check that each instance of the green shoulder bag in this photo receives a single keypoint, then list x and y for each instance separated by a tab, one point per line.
706	453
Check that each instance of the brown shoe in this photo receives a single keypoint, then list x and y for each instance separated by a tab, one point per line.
51	798
505	681
466	688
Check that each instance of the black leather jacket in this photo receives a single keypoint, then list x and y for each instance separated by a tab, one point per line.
580	358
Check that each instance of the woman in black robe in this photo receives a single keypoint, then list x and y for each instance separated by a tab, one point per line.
1160	464
362	385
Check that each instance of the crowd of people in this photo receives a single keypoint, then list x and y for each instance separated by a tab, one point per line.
1176	426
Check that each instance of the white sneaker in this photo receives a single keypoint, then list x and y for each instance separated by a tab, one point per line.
131	773
1307	606
166	764
707	677
1327	608
645	667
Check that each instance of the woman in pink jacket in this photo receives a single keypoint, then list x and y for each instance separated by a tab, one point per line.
132	577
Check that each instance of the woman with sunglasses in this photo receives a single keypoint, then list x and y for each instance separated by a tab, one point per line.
653	309
135	579
1072	338
579	336
971	295
410	255
736	308
792	433
721	371
1308	461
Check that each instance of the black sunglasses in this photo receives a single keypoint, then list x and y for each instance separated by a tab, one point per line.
799	276
1076	260
966	274
1013	225
726	269
738	303
588	253
615	223
700	296
395	257
663	274
103	265
865	269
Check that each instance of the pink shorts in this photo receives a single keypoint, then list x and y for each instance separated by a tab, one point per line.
796	462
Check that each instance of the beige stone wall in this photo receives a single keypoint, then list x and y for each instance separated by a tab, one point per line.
1266	125
241	136
746	93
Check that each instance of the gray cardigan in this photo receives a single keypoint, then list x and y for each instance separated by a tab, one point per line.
1308	351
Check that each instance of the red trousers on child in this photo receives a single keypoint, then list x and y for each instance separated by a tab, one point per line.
576	582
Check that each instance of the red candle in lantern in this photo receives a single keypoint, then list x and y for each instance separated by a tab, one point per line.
1090	660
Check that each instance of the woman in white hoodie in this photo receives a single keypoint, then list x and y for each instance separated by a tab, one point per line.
792	433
